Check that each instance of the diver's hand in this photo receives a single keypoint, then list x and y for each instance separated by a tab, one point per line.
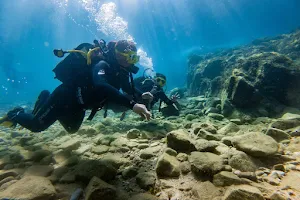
142	111
147	96
175	97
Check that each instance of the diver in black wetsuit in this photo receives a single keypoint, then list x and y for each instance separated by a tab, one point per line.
68	103
155	87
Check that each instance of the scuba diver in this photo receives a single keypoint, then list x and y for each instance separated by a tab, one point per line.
155	85
91	76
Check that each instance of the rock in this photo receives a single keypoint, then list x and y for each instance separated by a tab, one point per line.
279	167
143	196
226	108
100	149
182	157
225	178
216	116
8	166
277	174
205	126
256	144
86	170
236	121
229	128
206	191
205	163
248	175
294	146
143	146
146	180
6	174
115	160
294	131
241	161
58	173
120	142
70	145
98	189
39	170
290	116
69	177
180	141
271	180
31	188
149	152
185	167
171	152
131	144
205	145
130	172
83	148
61	155
167	166
279	195
108	139
190	117
6	180
241	93
39	155
86	130
227	140
133	133
243	192
207	135
227	168
284	124
73	160
212	110
47	160
277	134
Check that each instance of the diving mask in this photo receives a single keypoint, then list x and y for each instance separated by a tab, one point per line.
131	56
160	81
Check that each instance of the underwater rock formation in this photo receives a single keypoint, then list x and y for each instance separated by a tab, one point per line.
261	75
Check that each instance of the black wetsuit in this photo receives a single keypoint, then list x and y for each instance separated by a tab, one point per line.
148	85
68	104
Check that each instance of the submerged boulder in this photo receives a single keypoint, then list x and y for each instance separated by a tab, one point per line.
256	144
180	141
30	187
205	163
241	93
243	192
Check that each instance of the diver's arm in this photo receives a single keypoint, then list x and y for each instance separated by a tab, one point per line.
103	90
99	73
165	99
111	94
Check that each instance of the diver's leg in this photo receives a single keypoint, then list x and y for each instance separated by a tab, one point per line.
41	100
72	122
39	122
45	116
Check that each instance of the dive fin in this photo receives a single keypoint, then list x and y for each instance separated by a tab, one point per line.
4	121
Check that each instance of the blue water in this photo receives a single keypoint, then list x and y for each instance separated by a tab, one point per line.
166	31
